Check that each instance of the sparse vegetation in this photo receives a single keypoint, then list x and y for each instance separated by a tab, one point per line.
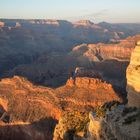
100	111
133	117
72	123
128	110
130	119
110	105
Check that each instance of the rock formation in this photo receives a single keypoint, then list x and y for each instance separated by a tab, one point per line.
133	78
99	52
1	24
84	23
86	91
89	83
72	123
118	122
47	21
25	106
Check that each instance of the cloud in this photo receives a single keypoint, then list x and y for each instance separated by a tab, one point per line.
97	15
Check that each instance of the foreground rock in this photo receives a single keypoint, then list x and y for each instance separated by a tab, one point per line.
119	124
70	125
32	111
106	123
133	78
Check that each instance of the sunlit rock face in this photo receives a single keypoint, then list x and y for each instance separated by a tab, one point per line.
84	23
98	52
90	83
45	21
1	24
38	106
133	78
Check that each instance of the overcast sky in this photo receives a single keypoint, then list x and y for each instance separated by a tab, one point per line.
117	11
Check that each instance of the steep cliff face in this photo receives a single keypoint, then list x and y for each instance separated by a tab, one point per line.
83	91
89	83
133	78
98	52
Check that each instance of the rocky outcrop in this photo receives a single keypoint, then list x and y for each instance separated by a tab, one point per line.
3	105
47	21
71	124
84	23
90	83
1	24
88	24
120	124
21	101
82	93
40	100
133	78
78	93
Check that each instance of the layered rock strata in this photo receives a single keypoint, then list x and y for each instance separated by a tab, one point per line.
133	78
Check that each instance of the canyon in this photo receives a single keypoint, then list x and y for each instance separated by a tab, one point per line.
40	108
28	49
69	80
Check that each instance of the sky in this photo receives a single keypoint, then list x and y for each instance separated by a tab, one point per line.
113	11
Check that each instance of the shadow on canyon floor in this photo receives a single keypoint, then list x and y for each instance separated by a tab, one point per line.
39	130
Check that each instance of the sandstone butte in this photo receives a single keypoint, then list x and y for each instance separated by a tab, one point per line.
133	78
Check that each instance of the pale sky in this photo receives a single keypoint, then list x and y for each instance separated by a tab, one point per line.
116	11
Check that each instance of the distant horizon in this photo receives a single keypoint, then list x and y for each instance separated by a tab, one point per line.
126	11
72	21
